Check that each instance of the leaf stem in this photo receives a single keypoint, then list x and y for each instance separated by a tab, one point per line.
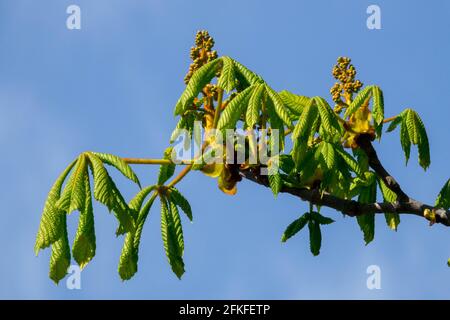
389	119
154	161
218	107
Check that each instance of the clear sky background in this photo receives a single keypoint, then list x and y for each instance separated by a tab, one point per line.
111	87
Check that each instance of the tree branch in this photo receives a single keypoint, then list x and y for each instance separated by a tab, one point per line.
364	142
350	207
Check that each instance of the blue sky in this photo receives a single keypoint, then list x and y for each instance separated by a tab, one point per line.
111	87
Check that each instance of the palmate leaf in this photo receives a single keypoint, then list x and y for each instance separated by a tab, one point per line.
244	73
166	171
172	236
392	218
327	155
51	226
305	123
443	198
362	96
83	248
234	109
412	131
74	193
60	254
315	237
279	107
254	105
275	182
130	251
295	227
198	81
106	192
227	80
119	164
366	222
352	164
275	124
378	109
327	117
293	102
177	198
320	218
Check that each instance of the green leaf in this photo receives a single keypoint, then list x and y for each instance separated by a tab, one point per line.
315	237
350	161
327	117
398	119
60	256
305	123
327	155
51	225
166	171
198	81
405	140
359	100
130	250
128	258
120	165
392	218
321	219
234	109
275	183
278	104
254	105
250	77
295	227
227	80
378	109
177	198
172	236
286	163
443	199
367	221
106	192
293	102
83	248
73	195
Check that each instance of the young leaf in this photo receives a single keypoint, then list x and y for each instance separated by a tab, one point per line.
305	123
275	183
177	198
51	225
293	102
327	155
350	161
362	97
320	218
166	171
250	77
315	237
398	120
234	109
367	221
73	196
199	80
327	117
120	165
443	199
295	227
106	192
254	105
392	219
278	104
378	109
405	140
172	238
83	248
227	80
60	256
130	250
